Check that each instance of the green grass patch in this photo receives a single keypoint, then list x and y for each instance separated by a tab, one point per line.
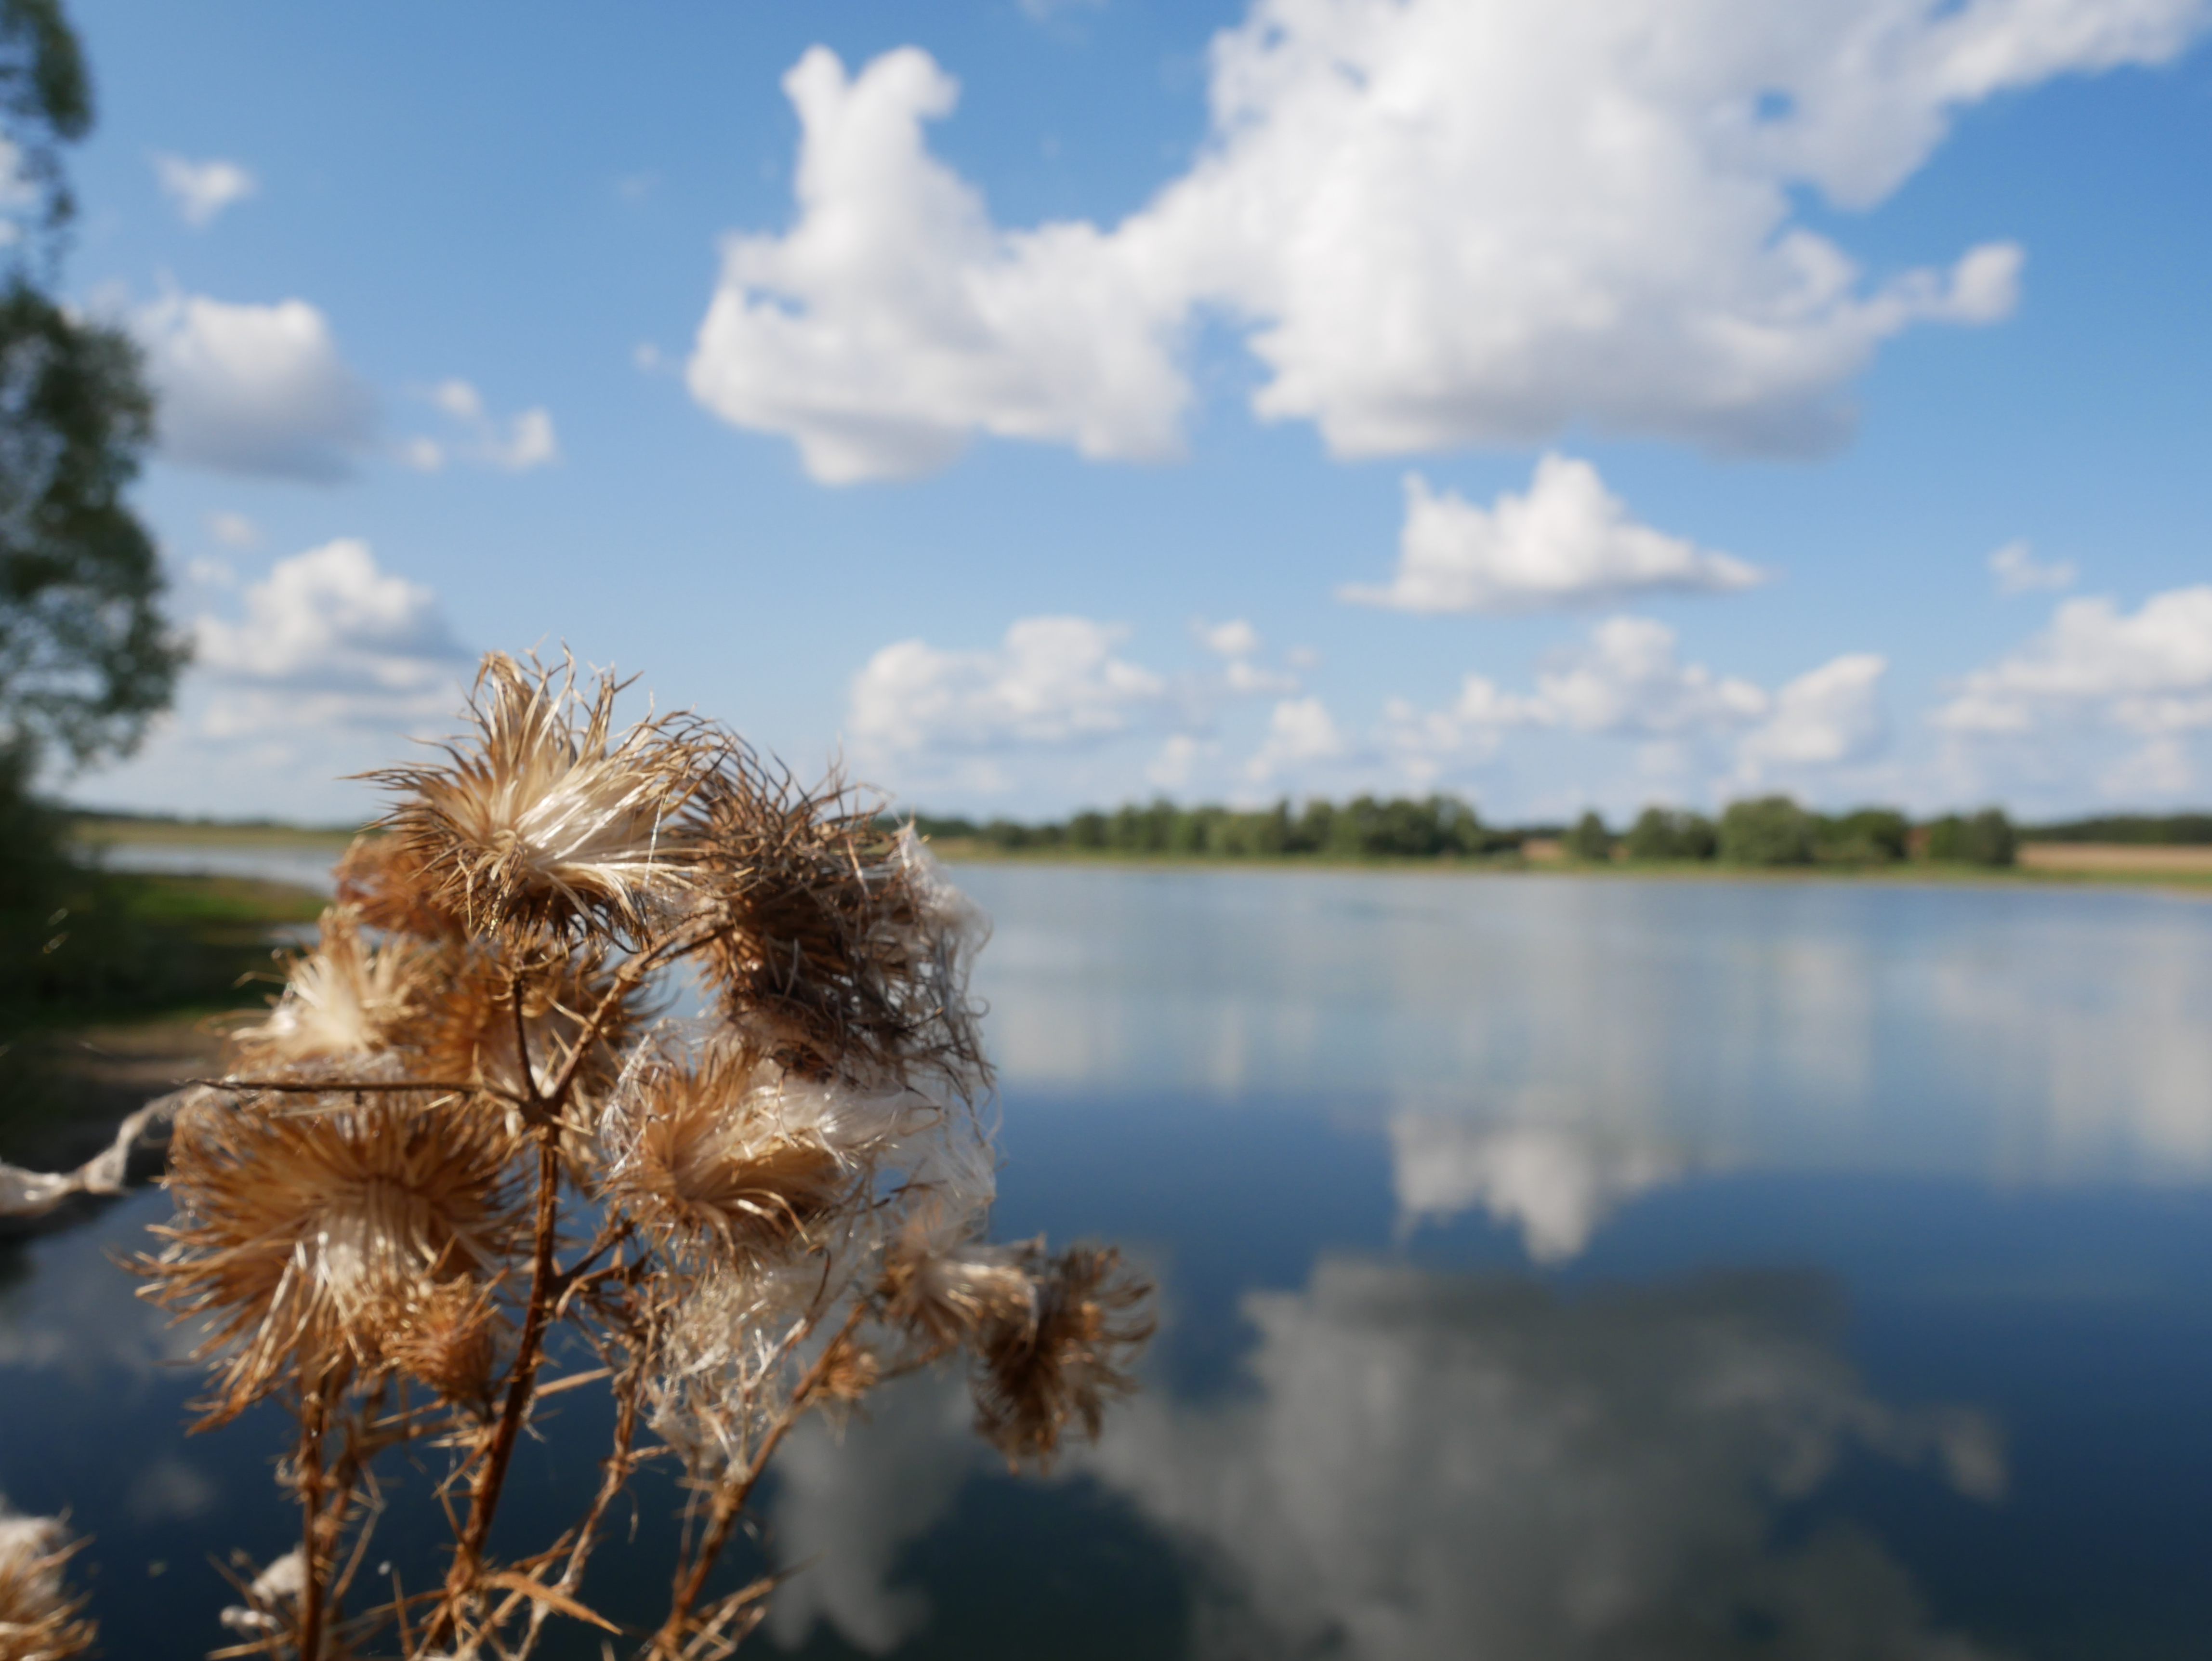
123	951
129	830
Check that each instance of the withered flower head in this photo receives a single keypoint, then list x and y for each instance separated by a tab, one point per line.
729	1149
444	1334
39	1619
544	816
383	880
1033	1377
947	1295
836	941
294	1228
343	999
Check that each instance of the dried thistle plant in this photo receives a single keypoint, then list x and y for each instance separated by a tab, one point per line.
459	1130
40	1618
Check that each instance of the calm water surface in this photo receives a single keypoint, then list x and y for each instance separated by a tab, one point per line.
1550	1268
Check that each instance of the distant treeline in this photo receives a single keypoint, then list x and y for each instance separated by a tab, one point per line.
1768	831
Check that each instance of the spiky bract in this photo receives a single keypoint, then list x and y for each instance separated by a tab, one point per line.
1036	1377
544	818
297	1229
41	1619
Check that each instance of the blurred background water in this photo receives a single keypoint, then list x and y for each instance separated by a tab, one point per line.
1549	1267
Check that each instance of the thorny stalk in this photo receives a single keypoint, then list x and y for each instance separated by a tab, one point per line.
314	1414
491	1473
463	1073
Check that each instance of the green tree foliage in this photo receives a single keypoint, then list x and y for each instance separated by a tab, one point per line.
1434	827
85	658
1985	838
1768	831
1871	836
1589	839
1661	833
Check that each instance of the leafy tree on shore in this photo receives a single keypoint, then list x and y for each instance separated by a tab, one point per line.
1767	831
85	657
1872	836
1986	838
1589	839
1661	834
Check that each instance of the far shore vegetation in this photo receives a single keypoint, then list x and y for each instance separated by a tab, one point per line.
1771	833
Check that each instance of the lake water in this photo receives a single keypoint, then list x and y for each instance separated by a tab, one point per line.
1549	1267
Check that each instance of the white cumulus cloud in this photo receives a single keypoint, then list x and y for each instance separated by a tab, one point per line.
1822	719
1556	1186
255	389
895	320
1300	731
1629	679
200	190
234	530
1425	742
2149	672
329	638
1438	223
1569	542
1053	681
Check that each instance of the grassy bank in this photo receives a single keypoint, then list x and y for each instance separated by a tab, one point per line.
132	829
134	969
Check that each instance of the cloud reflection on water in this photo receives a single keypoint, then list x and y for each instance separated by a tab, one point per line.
1556	1186
1432	1465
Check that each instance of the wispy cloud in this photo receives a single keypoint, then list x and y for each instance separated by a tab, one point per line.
200	190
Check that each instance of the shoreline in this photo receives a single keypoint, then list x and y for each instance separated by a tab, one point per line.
2152	868
2181	884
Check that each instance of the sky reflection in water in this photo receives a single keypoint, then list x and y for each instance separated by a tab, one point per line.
1550	1268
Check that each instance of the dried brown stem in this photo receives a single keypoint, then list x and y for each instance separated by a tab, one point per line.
491	1474
352	1087
313	1410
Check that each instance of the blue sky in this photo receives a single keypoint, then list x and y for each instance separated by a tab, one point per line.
1045	404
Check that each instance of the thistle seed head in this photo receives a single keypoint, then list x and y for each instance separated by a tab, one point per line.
728	1152
345	1000
1035	1377
41	1619
472	1036
833	946
293	1229
946	1296
443	1334
543	817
